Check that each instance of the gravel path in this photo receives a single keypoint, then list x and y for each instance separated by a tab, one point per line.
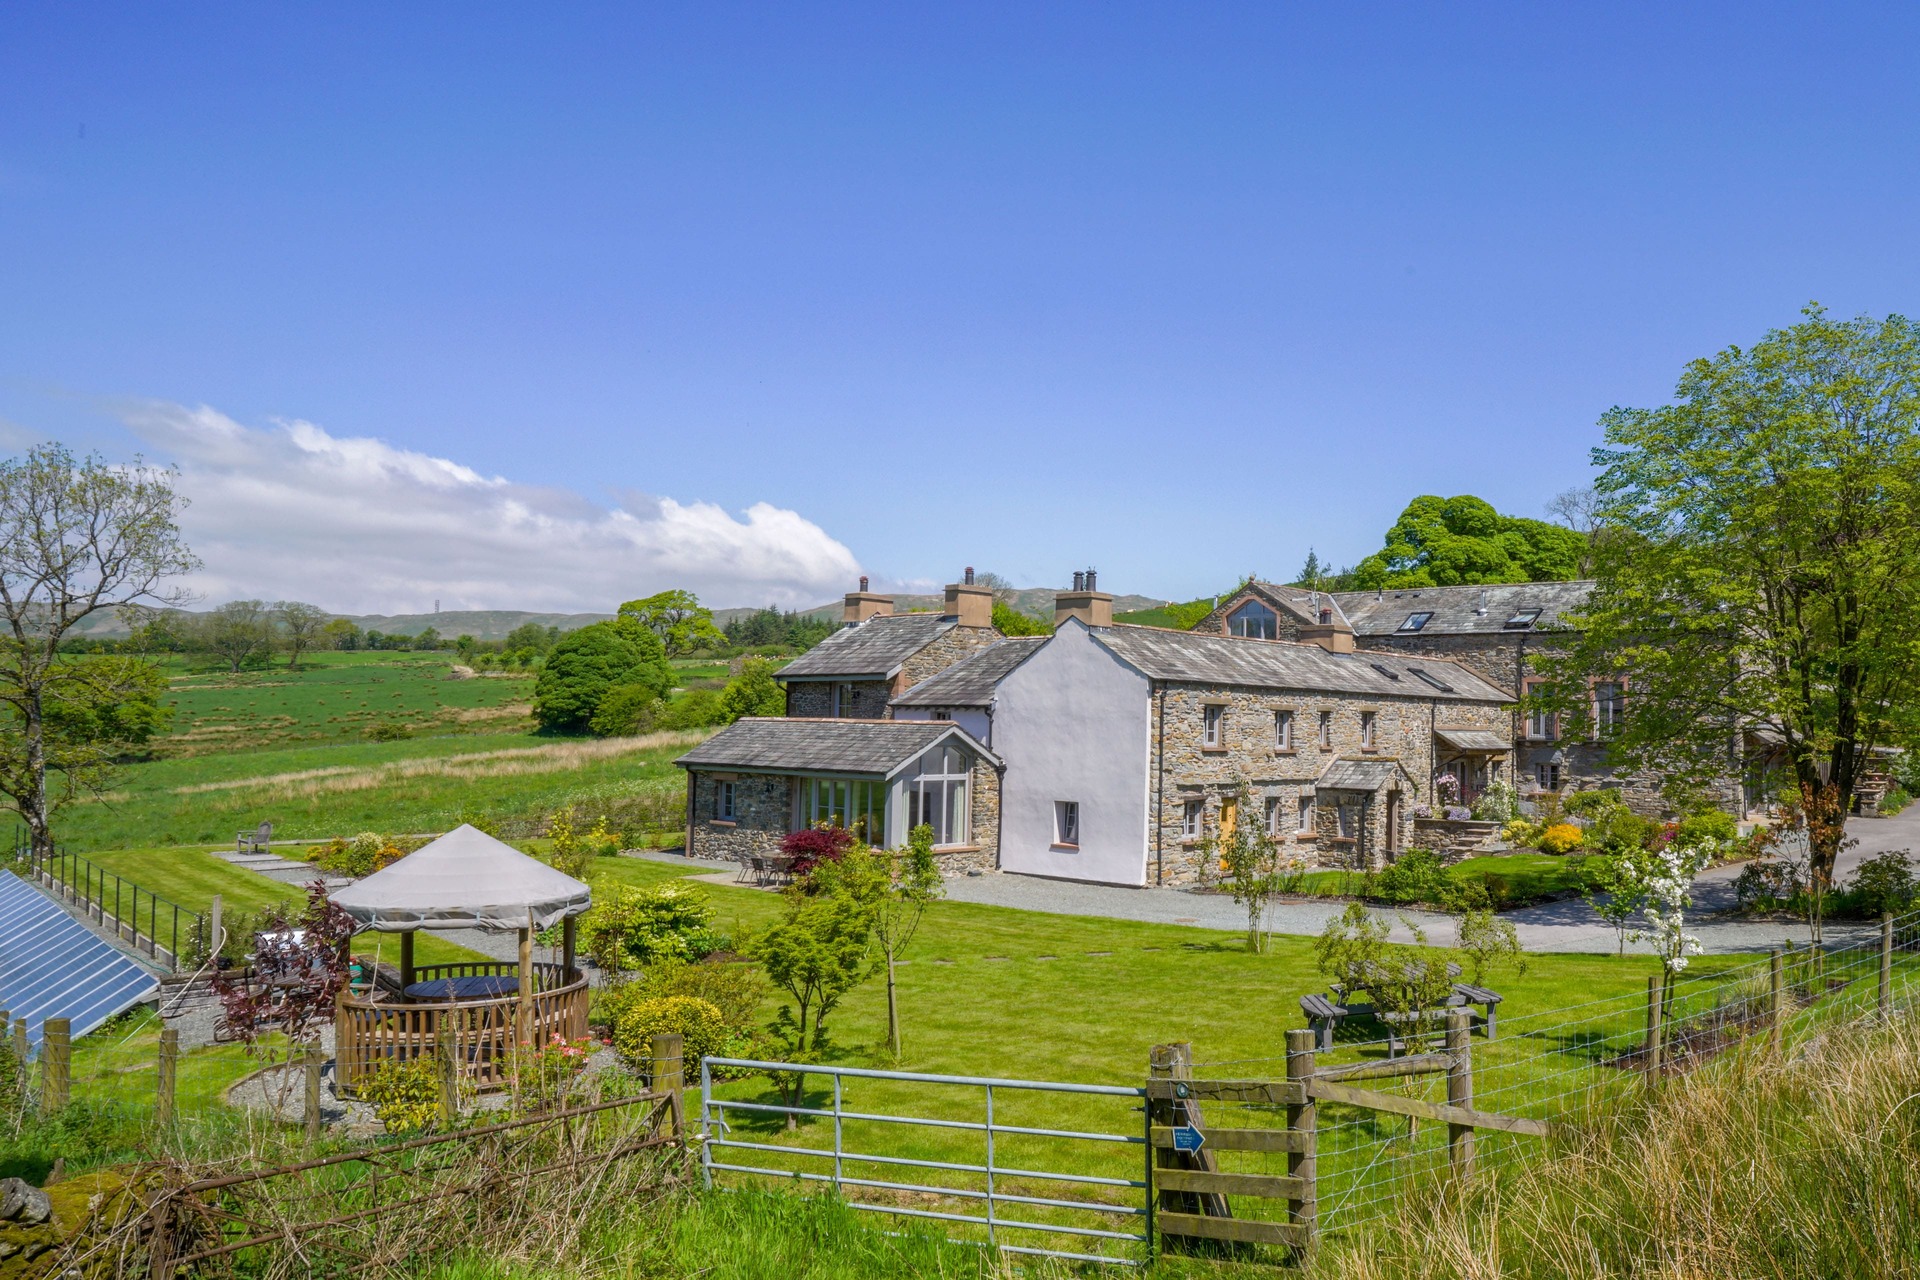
1569	926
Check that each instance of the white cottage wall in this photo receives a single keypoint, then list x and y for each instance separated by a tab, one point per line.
973	719
1071	722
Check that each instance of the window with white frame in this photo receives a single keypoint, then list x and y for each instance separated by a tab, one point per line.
1276	816
1066	823
1192	814
1326	730
858	805
1542	724
1367	719
1254	621
1609	705
1347	815
1306	814
1283	730
1547	776
723	801
1212	725
938	786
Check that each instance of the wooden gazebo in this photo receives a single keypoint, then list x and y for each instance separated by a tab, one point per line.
464	880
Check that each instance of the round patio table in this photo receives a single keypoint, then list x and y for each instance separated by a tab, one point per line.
474	986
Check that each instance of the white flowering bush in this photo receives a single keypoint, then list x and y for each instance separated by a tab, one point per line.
1665	879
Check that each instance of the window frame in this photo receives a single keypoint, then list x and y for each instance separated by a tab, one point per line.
1326	731
1609	713
1213	726
725	801
1193	819
1066	824
1369	730
1283	729
1306	817
1410	627
1270	623
1543	725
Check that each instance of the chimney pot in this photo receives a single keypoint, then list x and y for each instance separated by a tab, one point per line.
1079	580
1093	580
863	582
969	577
1326	616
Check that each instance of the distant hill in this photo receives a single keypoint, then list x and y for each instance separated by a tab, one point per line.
481	624
1036	602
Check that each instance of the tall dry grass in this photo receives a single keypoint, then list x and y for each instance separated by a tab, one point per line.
1804	1163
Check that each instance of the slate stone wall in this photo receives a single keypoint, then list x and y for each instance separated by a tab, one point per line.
763	814
861	699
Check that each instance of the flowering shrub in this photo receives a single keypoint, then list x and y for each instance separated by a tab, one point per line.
549	1075
1447	788
1458	813
1421	811
1520	831
361	856
816	845
1561	837
1496	804
1667	878
630	928
702	1029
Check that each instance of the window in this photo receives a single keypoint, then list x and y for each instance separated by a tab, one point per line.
1385	670
1283	730
1367	719
941	713
1547	776
1432	679
1212	719
723	801
1276	816
843	700
1348	817
937	787
1522	619
1066	823
1542	725
1609	705
1415	621
1306	815
1326	730
1191	813
1254	621
856	804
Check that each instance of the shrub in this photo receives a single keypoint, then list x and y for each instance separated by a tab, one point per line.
405	1095
1619	828
626	709
361	856
1712	825
734	989
1497	803
1521	831
1562	837
388	731
1881	885
702	1029
1417	876
816	845
569	853
1582	804
631	928
693	709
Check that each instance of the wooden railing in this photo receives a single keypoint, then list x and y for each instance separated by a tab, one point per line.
479	1034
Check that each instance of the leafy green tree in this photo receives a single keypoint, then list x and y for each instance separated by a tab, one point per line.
816	952
76	536
1250	862
1762	568
1450	542
899	887
588	664
692	709
530	637
1009	621
343	634
299	627
238	634
754	692
678	618
626	709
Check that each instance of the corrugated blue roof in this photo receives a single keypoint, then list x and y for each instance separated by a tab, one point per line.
52	966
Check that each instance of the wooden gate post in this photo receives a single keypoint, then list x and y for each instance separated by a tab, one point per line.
1777	998
669	1074
1460	1088
1303	1120
311	1060
1886	965
165	1078
56	1064
449	1074
1654	1029
20	1048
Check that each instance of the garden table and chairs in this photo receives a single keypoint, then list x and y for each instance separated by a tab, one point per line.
1326	1011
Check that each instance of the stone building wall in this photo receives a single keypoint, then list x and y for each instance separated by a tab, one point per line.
860	699
1451	840
946	650
1187	770
1287	623
763	811
982	853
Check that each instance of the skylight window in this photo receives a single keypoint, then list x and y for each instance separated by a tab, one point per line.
1523	619
1385	670
1432	679
1415	621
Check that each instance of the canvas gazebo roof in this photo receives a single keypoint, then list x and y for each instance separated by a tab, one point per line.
464	880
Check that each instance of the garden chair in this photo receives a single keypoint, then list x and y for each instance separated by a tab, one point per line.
259	840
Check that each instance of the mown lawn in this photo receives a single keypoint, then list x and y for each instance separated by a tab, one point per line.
1520	878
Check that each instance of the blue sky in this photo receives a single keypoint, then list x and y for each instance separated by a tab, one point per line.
572	303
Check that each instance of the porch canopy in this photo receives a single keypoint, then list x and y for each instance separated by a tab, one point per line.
464	880
1469	741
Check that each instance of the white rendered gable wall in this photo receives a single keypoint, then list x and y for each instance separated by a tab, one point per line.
1072	723
973	719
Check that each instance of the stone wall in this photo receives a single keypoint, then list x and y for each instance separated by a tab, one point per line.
763	813
1188	770
945	650
859	699
1451	840
983	819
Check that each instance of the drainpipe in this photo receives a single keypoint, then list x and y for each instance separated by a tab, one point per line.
1159	791
692	779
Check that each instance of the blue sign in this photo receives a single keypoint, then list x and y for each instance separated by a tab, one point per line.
1188	1138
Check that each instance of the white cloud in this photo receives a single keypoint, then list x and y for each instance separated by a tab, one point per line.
358	526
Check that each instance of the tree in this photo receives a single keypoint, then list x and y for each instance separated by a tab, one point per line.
76	537
817	953
1249	859
899	889
587	664
1579	510
626	709
754	692
678	618
428	640
300	628
1762	569
238	633
1448	542
343	634
1009	621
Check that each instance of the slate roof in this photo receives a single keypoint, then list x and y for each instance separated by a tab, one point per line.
1304	601
872	650
971	681
1456	610
1360	775
1279	664
1472	740
875	748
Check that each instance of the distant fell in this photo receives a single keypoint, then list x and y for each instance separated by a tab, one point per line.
1036	602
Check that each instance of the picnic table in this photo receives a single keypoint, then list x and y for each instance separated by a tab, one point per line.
473	986
1326	1011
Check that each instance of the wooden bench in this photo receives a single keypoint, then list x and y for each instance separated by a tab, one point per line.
1487	999
1323	1015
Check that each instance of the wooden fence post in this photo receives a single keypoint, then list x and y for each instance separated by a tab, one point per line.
311	1060
1886	965
166	1078
449	1075
20	1047
1654	1029
56	1064
669	1074
1303	1120
216	932
1777	1007
1460	1088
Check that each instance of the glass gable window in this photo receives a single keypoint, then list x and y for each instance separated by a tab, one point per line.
1254	621
937	787
855	804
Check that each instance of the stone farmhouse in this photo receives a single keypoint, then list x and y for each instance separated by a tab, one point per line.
1104	752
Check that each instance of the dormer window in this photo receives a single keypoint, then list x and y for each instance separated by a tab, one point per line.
1523	619
1415	621
1253	621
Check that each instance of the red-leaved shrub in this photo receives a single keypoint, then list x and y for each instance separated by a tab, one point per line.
816	845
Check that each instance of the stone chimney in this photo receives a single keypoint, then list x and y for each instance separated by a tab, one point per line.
864	604
1085	602
968	603
1333	635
